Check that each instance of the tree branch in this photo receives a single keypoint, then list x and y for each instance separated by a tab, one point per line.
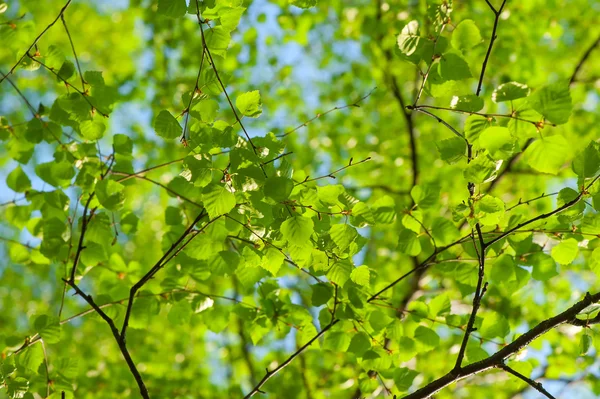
115	332
536	385
583	60
271	373
62	10
159	265
492	40
544	215
497	359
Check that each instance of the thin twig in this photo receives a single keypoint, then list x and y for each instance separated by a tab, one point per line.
62	10
271	373
492	40
62	18
159	265
331	175
583	60
535	385
353	104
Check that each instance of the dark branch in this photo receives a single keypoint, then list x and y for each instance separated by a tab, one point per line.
159	265
536	385
492	40
583	59
62	10
497	359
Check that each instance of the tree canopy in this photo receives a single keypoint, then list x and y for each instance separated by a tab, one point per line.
299	198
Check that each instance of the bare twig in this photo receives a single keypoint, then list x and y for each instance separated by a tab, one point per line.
492	40
353	104
332	174
62	10
583	59
535	385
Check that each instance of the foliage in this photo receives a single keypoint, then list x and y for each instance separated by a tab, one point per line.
308	199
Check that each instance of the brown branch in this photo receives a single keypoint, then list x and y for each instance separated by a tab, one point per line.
196	88
62	18
159	265
492	40
353	104
544	215
410	128
271	373
80	247
583	60
536	385
433	59
115	332
159	184
498	358
479	293
509	166
62	10
487	115
424	264
440	120
239	120
332	174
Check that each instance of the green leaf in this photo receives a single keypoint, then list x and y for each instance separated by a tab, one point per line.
408	243
427	338
48	327
92	130
499	142
337	341
249	104
494	325
122	144
466	35
587	163
18	181
439	305
384	210
110	194
279	188
343	235
510	91
425	195
544	267
217	40
548	154
585	342
57	174
474	125
66	71
217	200
452	150
340	272
17	387
553	102
469	103
361	276
32	358
321	294
359	344
444	231
452	66
403	378
566	251
303	3
297	230
482	170
172	8
272	260
166	126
